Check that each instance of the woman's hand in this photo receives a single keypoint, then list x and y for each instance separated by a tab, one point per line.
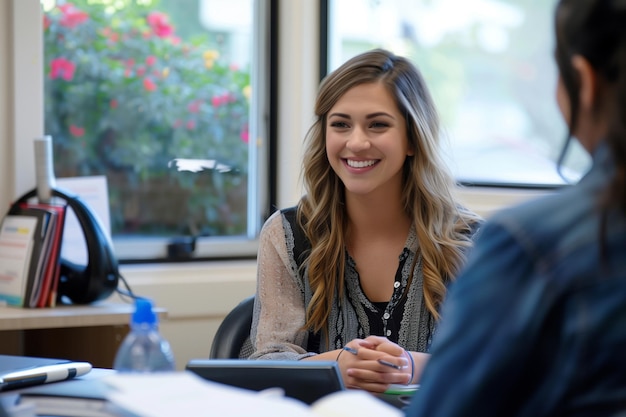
419	358
374	363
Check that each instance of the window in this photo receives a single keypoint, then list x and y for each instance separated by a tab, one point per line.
490	67
167	99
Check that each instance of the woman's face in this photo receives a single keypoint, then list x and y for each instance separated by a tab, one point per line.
366	141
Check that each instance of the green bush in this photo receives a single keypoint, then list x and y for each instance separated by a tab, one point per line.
125	97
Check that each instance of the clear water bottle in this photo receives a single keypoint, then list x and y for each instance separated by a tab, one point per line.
144	349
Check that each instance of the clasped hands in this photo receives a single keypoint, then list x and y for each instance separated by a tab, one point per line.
374	363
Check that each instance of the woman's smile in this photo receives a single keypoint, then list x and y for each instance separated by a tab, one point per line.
361	164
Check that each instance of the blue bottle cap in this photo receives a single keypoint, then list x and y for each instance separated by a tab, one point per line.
143	312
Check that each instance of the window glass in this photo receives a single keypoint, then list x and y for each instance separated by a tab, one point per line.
158	96
490	67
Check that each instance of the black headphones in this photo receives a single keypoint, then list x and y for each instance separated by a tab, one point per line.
84	284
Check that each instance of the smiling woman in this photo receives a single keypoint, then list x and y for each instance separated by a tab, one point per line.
365	257
366	142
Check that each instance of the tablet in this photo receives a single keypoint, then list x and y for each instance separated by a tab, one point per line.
304	380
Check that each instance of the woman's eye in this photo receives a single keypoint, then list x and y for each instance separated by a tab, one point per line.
339	125
379	125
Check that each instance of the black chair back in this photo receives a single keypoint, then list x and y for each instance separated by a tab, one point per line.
232	339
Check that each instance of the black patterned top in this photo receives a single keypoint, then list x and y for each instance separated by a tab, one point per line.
283	294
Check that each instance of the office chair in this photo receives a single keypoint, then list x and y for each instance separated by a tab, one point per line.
232	339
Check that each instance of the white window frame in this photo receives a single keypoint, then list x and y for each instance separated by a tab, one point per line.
298	67
28	104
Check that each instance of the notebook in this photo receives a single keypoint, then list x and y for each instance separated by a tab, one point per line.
304	380
76	398
24	371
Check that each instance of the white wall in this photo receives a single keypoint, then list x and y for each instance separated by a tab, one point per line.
6	191
197	296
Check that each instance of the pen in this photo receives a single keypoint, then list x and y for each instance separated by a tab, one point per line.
349	349
381	361
43	374
386	363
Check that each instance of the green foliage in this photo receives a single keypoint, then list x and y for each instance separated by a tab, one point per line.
125	97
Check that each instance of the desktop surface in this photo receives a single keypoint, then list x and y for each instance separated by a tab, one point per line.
97	330
77	387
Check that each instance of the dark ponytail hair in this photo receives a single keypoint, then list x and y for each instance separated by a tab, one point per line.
596	30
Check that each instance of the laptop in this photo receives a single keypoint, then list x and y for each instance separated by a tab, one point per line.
23	371
306	381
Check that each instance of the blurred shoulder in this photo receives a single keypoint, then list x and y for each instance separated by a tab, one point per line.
545	223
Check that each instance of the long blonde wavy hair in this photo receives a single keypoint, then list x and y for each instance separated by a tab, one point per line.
442	224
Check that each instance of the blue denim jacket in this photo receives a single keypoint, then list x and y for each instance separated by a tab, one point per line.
536	324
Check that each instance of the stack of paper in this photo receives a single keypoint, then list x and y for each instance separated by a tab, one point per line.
186	394
168	394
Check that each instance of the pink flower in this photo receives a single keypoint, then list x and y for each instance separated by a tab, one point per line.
160	25
141	71
62	68
77	131
151	60
149	85
245	135
223	99
219	100
191	125
113	104
194	106
46	22
72	16
108	33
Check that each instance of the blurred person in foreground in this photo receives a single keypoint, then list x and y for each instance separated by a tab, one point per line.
535	325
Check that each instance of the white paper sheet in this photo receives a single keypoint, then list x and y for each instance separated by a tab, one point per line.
170	394
93	191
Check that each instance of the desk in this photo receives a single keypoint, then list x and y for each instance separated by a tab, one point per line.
89	333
